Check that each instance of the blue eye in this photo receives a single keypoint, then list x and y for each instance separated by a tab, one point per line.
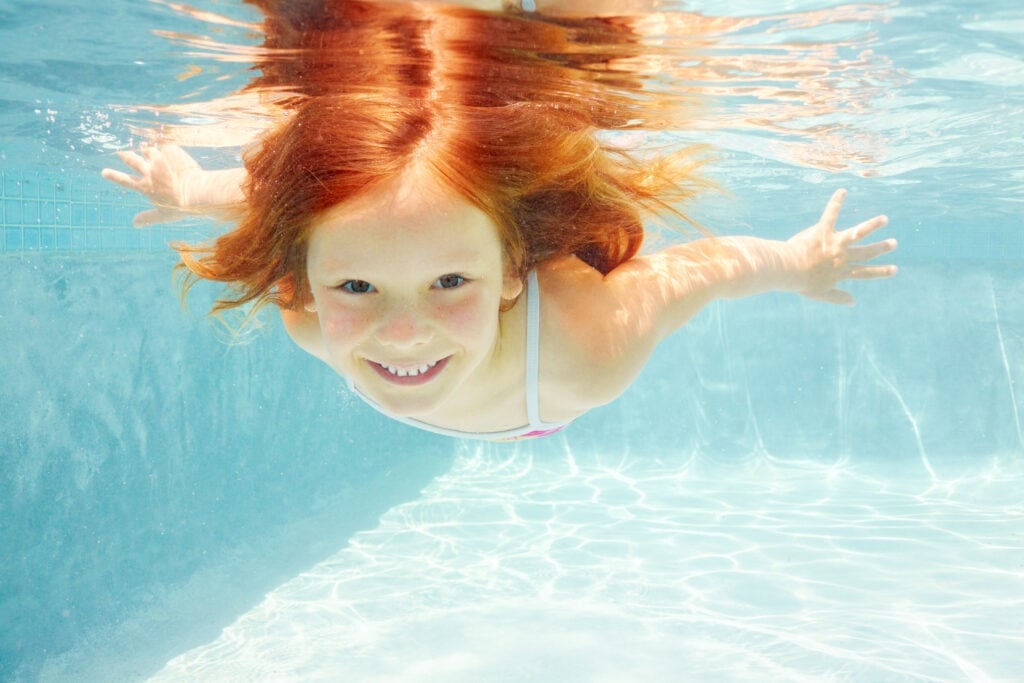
356	287
449	281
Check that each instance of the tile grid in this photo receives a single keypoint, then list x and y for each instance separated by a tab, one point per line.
43	212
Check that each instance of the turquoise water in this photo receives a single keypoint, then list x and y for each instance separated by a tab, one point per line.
789	492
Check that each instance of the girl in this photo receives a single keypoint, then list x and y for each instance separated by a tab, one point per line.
438	219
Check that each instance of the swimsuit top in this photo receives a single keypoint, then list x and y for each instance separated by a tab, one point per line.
535	426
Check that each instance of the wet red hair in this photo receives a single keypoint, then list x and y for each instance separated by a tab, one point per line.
505	109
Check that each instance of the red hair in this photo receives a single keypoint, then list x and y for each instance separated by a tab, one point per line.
505	109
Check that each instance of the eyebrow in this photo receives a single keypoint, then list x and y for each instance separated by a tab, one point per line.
453	261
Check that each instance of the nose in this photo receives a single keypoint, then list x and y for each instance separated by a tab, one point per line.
403	327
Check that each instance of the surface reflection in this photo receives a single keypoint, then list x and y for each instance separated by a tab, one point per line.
797	85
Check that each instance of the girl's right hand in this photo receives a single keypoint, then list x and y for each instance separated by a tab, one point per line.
166	175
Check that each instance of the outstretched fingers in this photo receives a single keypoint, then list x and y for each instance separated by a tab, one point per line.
133	161
831	213
838	255
870	272
119	177
867	252
855	253
859	253
862	230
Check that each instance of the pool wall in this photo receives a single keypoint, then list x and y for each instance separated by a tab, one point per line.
153	473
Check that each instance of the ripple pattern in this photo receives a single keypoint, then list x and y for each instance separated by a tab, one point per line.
522	568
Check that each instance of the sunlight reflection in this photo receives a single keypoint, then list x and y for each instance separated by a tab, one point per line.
787	570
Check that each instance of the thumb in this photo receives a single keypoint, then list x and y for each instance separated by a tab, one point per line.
144	219
834	296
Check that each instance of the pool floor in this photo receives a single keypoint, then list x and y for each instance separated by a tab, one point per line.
518	567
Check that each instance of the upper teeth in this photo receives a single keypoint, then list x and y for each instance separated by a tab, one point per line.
411	372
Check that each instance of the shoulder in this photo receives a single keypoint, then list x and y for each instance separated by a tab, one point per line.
591	350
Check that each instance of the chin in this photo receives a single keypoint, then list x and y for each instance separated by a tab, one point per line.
414	407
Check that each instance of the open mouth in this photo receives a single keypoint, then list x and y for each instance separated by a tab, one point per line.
409	375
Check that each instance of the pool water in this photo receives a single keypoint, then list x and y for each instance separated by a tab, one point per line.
791	491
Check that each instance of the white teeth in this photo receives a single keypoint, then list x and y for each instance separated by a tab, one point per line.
401	372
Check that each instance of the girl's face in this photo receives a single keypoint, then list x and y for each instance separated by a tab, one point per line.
407	282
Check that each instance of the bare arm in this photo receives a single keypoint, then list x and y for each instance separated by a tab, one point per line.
178	186
613	323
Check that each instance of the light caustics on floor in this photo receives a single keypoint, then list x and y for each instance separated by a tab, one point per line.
515	567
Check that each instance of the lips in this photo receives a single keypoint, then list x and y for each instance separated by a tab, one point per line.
409	375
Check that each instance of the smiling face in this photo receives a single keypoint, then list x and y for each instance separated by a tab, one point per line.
408	282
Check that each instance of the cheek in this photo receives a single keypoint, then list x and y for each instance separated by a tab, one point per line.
471	317
341	324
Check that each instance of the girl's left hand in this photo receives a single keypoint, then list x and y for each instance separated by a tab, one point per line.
827	257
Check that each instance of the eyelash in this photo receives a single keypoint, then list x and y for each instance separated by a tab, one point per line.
351	285
364	287
461	280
